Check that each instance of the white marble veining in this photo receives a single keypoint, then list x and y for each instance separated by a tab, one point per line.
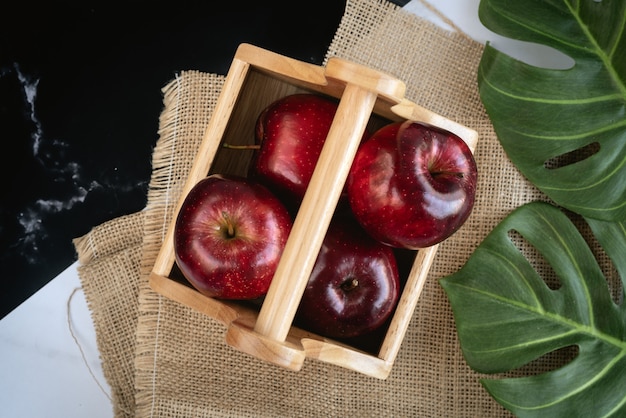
72	184
49	155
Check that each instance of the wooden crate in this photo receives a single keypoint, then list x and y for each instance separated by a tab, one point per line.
367	99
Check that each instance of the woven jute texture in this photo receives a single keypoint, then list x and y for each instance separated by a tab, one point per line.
109	259
164	359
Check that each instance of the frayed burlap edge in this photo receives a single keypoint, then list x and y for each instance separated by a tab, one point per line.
189	101
109	257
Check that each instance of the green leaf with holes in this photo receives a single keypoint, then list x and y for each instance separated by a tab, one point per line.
508	316
565	129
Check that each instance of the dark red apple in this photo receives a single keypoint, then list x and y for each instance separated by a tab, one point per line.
412	185
291	133
354	286
229	236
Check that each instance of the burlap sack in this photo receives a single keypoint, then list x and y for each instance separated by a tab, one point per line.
164	359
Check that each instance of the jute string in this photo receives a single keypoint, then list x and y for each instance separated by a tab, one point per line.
445	19
78	344
80	347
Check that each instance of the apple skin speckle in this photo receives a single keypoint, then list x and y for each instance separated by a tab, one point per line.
412	185
229	235
291	133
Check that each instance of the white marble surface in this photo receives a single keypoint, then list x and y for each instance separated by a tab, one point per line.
43	372
464	15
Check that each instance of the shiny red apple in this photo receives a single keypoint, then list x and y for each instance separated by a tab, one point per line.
412	185
354	286
291	133
229	236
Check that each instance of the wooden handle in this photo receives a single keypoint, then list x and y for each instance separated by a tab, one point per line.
362	87
316	211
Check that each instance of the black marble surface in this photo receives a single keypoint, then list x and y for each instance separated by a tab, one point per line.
80	98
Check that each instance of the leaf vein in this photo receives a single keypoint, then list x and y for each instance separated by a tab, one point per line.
601	54
537	341
519	274
597	183
616	39
568	250
586	134
554	317
616	408
574	101
562	41
579	389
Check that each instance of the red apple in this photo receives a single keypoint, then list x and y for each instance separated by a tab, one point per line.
354	286
291	133
412	185
229	236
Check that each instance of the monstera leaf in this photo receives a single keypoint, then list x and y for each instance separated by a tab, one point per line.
508	315
565	129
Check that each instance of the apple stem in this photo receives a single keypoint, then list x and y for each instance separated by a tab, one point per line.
230	228
350	284
232	146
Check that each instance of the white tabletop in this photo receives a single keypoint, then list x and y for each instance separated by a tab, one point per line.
43	371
